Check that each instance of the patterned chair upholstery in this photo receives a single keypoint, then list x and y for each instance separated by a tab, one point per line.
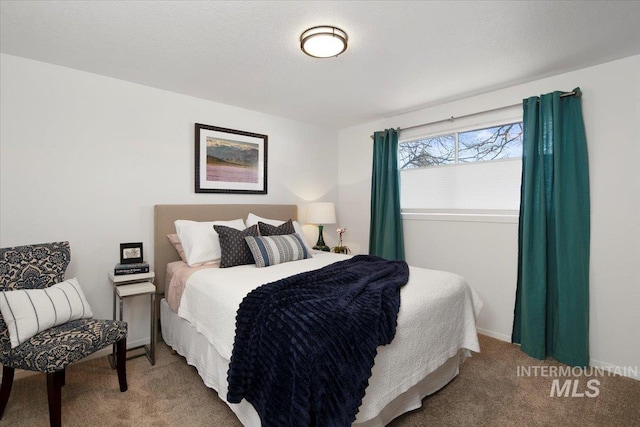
51	351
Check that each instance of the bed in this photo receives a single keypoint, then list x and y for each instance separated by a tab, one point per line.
436	321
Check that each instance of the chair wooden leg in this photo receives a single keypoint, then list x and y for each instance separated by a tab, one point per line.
54	391
5	390
121	362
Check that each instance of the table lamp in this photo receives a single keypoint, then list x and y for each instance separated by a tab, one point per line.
321	213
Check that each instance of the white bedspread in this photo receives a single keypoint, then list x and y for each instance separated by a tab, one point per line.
436	319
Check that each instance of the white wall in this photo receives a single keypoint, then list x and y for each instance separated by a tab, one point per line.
486	252
85	158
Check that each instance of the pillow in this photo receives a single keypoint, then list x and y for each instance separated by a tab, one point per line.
276	230
254	219
271	250
175	241
177	245
234	248
200	241
28	312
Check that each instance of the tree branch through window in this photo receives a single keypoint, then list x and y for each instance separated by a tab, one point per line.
499	142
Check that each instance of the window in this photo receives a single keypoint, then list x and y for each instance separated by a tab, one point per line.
478	145
440	150
468	170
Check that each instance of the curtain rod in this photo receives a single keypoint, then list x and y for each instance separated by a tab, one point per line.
452	118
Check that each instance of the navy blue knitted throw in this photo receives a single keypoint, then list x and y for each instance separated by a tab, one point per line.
304	345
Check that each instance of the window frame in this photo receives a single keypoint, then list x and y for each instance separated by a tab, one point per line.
453	127
455	131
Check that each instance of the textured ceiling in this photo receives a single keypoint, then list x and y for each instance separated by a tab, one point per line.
402	55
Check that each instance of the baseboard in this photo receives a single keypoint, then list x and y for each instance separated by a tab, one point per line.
632	372
20	373
495	335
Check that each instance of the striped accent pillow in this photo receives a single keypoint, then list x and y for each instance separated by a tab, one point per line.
271	250
28	312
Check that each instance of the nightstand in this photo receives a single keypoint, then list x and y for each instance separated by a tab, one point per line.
129	285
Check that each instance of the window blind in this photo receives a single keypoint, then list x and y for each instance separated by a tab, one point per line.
491	185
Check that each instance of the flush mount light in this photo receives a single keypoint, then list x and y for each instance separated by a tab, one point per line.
323	41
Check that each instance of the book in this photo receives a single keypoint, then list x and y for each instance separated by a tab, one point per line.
134	265
131	271
140	267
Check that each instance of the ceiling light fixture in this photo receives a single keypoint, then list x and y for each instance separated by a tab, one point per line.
323	41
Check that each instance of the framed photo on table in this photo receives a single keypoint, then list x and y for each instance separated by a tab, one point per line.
230	161
131	253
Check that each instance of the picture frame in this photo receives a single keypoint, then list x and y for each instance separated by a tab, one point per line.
230	161
131	253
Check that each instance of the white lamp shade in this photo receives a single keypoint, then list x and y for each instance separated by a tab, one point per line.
321	213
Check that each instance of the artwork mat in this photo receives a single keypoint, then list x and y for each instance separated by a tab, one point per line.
202	185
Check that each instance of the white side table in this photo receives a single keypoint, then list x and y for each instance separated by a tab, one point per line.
129	285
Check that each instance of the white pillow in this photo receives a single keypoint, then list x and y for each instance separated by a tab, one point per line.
254	219
28	312
200	241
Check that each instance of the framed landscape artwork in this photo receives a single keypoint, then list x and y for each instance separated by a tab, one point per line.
230	161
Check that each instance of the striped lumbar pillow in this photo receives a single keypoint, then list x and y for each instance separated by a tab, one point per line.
271	250
28	312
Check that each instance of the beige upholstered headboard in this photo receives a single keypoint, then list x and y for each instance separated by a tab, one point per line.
165	215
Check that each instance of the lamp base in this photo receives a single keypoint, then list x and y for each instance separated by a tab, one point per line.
320	245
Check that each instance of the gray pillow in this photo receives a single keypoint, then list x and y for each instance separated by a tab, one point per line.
272	230
233	246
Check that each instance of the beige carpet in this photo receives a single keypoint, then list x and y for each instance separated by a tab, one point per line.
488	392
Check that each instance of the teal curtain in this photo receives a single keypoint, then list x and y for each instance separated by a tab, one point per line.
552	296
385	232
